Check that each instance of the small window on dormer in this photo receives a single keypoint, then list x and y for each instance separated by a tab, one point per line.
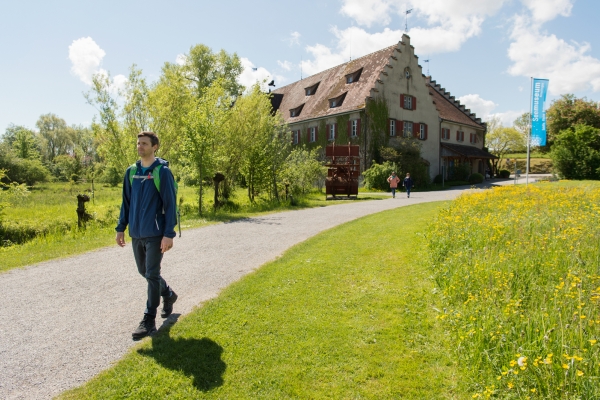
353	77
309	91
294	112
337	101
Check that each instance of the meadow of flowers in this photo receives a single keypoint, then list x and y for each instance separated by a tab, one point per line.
518	274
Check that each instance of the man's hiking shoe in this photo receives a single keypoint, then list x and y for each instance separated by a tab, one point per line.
168	304
147	327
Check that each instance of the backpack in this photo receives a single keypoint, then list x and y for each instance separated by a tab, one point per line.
156	179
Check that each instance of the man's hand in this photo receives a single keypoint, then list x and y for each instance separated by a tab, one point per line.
121	239
166	244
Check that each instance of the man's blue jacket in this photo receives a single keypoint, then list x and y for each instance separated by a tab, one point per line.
147	211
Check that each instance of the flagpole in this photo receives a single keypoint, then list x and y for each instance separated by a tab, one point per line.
529	133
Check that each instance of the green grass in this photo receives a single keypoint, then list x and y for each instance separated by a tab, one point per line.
43	225
519	277
347	314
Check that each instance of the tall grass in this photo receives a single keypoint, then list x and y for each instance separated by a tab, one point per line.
519	278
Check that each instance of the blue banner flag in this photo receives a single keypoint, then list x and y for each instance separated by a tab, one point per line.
538	114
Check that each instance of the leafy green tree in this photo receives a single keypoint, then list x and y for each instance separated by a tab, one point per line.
202	126
55	136
501	141
569	111
376	176
576	152
202	68
302	169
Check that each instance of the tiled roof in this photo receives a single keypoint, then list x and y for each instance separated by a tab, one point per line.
451	109
468	151
332	83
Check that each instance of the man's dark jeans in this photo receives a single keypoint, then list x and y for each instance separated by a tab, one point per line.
148	257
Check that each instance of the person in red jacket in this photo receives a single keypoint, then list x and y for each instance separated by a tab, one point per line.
393	180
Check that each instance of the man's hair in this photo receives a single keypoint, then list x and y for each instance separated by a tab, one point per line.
153	137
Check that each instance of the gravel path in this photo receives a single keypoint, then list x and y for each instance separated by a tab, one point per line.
64	321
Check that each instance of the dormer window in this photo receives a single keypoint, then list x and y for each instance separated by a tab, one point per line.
353	77
309	91
337	101
294	112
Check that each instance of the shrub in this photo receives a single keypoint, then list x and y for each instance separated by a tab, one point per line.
376	176
438	179
459	172
476	177
504	173
576	153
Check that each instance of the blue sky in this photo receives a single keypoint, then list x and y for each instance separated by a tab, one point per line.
483	51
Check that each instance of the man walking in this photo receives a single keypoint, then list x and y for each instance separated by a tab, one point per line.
148	207
393	180
408	184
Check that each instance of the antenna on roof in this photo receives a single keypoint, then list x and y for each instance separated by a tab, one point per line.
406	21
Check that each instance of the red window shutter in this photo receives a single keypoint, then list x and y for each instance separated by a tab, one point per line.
414	103
457	135
416	130
401	101
358	127
425	132
399	128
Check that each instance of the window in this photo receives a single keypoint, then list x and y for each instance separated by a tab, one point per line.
446	133
312	134
353	77
392	127
460	136
295	137
331	132
309	91
473	138
337	101
408	129
354	128
408	102
294	112
422	131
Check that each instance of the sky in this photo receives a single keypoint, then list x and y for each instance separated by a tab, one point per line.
484	52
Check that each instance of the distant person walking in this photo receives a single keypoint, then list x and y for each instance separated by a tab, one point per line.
148	207
408	184
393	180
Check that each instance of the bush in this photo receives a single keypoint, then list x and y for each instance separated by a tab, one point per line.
459	172
576	153
112	176
504	173
438	179
376	176
28	171
476	177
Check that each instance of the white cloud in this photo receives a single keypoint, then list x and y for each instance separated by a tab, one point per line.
252	74
568	66
481	107
547	10
294	38
506	118
366	12
285	65
86	57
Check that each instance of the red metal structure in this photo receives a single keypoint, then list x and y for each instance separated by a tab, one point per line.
343	171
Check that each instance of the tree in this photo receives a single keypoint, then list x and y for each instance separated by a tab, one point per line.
56	138
202	125
25	145
569	111
576	152
302	169
501	141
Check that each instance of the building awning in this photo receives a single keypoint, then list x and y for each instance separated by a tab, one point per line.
458	150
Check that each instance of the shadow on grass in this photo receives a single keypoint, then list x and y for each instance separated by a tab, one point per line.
199	358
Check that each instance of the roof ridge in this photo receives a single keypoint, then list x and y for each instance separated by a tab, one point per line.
452	100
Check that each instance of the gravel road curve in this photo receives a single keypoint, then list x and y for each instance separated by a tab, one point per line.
64	321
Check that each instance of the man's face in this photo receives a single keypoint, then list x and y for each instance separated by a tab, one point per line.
144	147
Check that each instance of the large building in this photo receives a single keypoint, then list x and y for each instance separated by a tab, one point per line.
378	99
